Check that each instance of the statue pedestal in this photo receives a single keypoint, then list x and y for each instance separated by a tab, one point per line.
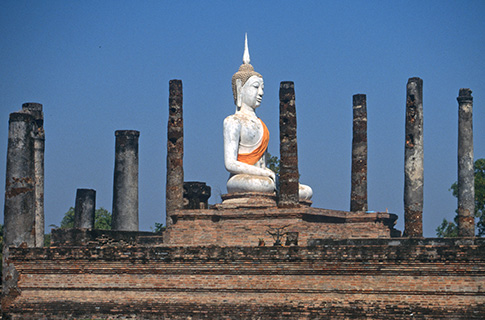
259	200
246	226
248	200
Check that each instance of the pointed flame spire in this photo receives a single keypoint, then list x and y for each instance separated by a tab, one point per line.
246	59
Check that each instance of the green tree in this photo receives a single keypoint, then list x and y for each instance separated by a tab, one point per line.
102	219
449	228
159	228
273	162
47	240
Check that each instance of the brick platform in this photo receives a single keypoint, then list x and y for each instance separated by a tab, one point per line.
358	279
250	226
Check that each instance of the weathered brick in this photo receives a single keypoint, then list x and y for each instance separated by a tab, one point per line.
332	279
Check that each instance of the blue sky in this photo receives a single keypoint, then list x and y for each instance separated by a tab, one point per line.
101	66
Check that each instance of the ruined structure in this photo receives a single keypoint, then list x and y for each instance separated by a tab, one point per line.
414	160
196	195
85	209
289	185
244	258
35	109
25	173
466	185
358	193
175	151
125	185
330	279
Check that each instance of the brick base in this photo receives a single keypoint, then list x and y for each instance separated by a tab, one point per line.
251	227
358	279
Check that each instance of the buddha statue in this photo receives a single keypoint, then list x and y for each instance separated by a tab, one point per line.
246	136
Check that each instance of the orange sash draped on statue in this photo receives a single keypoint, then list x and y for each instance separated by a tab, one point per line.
253	157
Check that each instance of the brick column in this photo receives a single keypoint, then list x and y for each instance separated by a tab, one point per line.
19	210
125	186
35	109
84	211
175	151
289	176
413	160
358	193
466	177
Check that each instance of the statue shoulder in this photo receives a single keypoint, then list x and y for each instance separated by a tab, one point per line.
232	121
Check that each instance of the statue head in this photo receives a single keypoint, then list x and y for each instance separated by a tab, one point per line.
245	72
251	93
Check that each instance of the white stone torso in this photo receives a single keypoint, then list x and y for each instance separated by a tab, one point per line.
251	131
243	134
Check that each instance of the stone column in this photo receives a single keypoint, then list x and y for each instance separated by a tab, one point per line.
19	210
20	182
175	151
125	186
466	177
289	175
413	160
35	109
84	211
358	193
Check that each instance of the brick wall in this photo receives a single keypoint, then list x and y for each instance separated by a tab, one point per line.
330	279
81	237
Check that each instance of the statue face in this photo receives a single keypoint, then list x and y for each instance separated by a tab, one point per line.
252	92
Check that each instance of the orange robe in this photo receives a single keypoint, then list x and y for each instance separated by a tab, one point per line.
253	157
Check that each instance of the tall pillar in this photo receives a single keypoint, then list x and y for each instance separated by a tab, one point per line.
413	160
19	211
35	109
358	193
175	151
125	186
20	182
289	176
466	180
84	211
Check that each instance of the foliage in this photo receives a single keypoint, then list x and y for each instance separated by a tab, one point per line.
450	229
67	221
273	162
47	240
102	219
159	228
447	229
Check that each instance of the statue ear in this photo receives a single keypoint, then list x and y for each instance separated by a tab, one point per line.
238	92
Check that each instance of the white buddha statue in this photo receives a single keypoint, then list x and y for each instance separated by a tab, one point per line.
246	136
